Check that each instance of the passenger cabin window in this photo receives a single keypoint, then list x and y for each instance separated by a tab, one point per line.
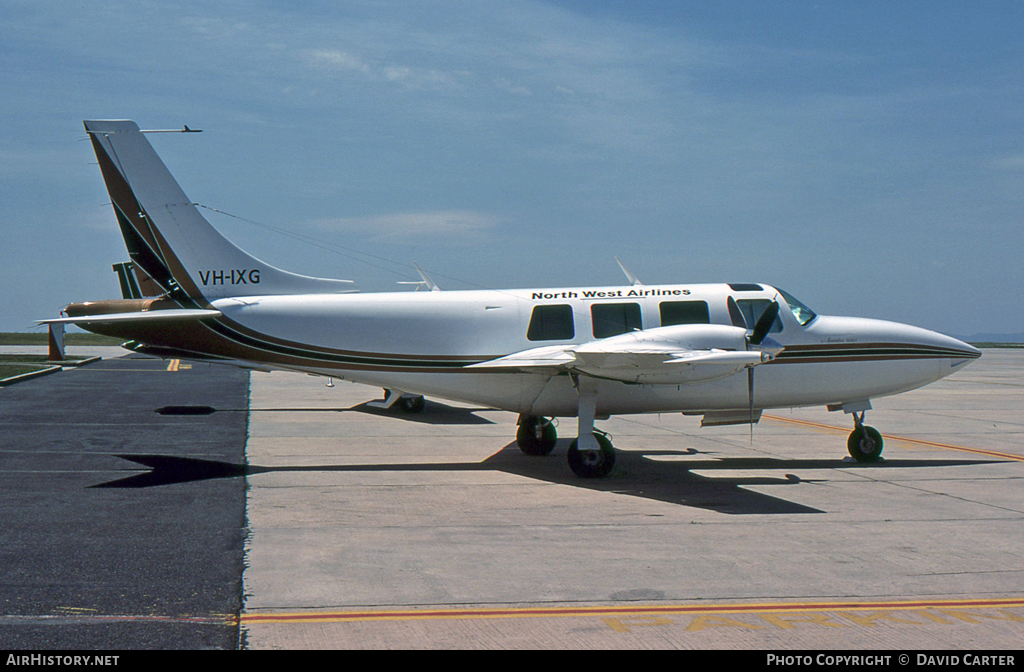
612	319
551	323
752	309
684	312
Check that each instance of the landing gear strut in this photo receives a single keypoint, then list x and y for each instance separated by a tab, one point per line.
865	443
591	454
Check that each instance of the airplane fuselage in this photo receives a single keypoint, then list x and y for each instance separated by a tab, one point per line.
423	342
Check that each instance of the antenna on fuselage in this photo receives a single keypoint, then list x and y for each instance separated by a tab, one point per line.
629	274
425	282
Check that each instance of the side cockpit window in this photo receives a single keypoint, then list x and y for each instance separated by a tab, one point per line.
551	323
735	316
802	313
612	319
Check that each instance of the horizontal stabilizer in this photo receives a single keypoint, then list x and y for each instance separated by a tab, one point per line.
137	316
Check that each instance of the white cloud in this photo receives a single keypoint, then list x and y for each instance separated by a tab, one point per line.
1010	163
448	226
335	60
411	78
506	85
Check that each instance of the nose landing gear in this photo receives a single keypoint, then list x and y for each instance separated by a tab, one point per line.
865	443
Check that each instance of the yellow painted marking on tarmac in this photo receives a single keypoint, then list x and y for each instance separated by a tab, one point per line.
947	607
173	364
893	437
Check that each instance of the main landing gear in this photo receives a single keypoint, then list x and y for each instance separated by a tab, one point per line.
537	436
591	454
407	403
592	462
865	443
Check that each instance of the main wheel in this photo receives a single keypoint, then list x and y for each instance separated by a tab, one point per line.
592	463
536	436
412	404
865	444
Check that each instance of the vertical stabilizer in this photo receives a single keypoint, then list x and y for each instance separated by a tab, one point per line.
168	239
134	282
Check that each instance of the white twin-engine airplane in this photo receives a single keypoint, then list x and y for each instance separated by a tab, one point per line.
586	352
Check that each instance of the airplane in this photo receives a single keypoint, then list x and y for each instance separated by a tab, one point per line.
583	352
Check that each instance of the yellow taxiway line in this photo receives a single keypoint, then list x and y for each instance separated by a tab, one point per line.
632	610
893	437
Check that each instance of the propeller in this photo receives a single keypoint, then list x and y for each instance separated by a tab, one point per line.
764	324
759	340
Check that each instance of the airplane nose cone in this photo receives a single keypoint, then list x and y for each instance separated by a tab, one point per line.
957	348
896	340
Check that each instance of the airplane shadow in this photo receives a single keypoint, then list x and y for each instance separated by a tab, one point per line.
433	413
635	475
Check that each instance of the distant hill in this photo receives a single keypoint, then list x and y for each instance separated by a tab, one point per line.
41	338
993	338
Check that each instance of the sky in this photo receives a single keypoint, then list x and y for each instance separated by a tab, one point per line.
868	157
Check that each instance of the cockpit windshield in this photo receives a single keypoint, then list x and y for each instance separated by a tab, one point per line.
802	313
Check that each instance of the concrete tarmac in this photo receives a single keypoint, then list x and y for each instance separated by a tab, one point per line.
381	530
371	529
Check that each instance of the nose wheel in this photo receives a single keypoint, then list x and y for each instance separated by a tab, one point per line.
865	443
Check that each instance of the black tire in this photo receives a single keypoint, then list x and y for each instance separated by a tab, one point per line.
536	436
592	463
865	444
411	404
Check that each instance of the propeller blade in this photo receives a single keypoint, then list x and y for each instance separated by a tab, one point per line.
759	336
750	400
764	323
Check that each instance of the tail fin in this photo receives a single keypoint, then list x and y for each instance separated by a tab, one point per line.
135	284
168	239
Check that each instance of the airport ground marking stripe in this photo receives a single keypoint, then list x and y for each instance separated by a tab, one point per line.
634	610
893	437
84	617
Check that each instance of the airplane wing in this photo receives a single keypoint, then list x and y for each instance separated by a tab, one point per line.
669	355
714	356
552	359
